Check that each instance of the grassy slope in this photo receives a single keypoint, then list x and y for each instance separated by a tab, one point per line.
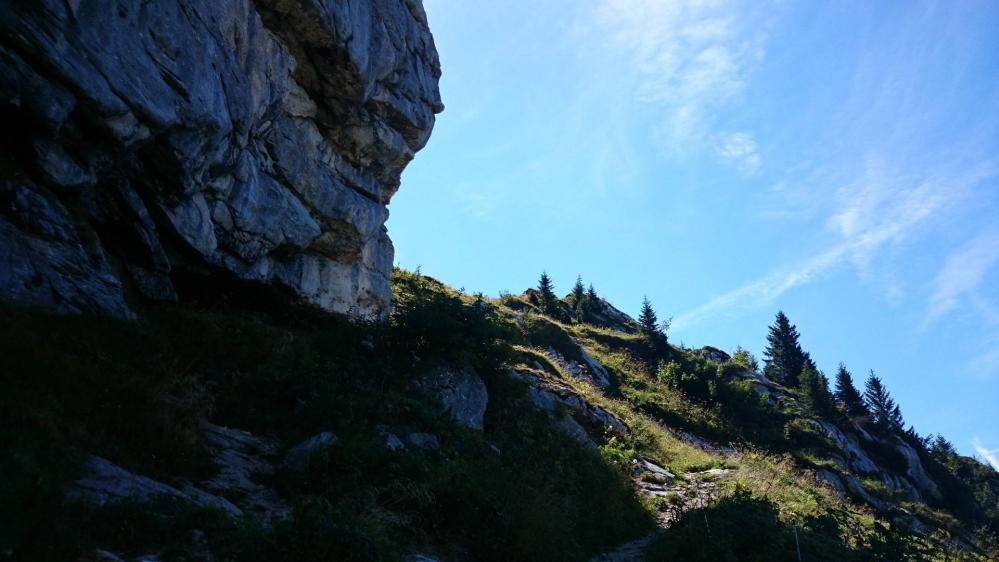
134	392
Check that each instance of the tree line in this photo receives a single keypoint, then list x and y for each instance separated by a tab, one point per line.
785	362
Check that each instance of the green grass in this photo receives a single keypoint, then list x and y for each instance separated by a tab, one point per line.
135	392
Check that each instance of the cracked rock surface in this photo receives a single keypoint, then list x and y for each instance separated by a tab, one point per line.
242	140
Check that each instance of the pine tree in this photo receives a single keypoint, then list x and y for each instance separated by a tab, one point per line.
815	387
547	291
582	310
943	450
579	301
847	393
744	357
647	319
783	356
896	418
584	302
885	412
578	292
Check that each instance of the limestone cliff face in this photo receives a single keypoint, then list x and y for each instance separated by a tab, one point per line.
258	140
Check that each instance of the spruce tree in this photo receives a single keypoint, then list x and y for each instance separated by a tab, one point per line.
783	356
582	310
815	387
647	319
578	292
884	411
847	393
587	304
744	357
547	292
579	301
943	451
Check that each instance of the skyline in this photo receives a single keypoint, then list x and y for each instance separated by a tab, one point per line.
835	161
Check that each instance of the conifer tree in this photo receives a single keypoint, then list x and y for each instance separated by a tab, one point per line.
744	357
586	304
943	450
815	386
546	289
648	320
579	301
847	393
578	292
783	356
885	412
581	312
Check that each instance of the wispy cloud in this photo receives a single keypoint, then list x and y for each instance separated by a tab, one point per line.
741	150
873	212
958	288
963	274
990	455
693	58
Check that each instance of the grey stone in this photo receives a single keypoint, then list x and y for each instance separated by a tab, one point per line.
600	375
268	137
391	442
915	470
461	392
424	441
643	466
856	459
44	262
108	556
833	480
106	483
241	459
590	369
552	399
606	315
300	457
857	490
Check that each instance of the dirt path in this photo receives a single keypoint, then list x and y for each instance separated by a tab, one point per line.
695	490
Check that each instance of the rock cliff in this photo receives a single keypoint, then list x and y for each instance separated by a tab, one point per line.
254	140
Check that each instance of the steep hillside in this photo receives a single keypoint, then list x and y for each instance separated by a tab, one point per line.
205	353
464	429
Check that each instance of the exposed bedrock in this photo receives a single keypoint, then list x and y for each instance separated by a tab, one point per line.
235	139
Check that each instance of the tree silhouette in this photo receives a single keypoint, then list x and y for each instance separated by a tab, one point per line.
783	356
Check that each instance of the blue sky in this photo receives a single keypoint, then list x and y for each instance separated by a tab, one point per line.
838	160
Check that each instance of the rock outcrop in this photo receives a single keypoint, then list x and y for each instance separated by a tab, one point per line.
106	483
253	140
571	412
461	393
242	461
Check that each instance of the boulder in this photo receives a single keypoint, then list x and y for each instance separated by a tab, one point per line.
599	373
427	441
461	392
106	483
856	459
833	480
647	469
715	354
606	315
301	456
915	471
252	140
243	460
390	441
570	409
